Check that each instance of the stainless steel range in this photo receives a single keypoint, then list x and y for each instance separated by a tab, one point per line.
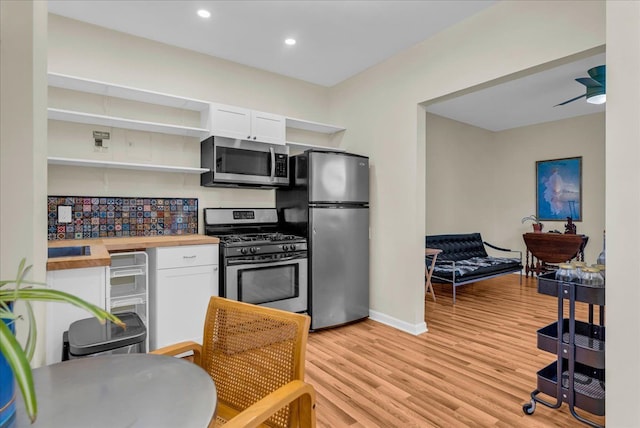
259	263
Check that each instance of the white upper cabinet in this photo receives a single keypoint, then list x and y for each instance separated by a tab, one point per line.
237	122
267	127
229	121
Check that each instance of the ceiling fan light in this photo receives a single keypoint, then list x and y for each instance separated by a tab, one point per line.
597	99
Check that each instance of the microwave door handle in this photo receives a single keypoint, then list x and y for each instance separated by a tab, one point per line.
273	163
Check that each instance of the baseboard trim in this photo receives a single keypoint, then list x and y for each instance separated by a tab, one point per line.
414	329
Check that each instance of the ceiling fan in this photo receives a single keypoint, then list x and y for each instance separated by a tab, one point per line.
596	86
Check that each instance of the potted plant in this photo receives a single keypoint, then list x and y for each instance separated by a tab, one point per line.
13	355
537	226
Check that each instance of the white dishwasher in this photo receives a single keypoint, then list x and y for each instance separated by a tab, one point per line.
182	279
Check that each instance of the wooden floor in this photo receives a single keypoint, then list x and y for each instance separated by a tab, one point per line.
475	367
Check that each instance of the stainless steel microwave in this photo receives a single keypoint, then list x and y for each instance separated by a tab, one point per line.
232	162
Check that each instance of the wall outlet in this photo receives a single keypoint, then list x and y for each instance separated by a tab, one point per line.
64	214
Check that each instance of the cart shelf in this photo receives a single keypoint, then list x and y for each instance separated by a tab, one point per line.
547	284
579	348
588	341
588	386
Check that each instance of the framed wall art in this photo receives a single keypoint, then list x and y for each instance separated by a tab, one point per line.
559	189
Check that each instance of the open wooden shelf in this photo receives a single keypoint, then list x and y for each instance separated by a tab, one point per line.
308	125
119	91
124	165
306	146
120	122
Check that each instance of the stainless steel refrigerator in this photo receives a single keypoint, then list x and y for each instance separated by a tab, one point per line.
328	202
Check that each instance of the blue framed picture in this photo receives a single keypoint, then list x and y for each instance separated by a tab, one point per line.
559	189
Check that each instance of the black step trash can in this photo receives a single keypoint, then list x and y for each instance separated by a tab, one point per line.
87	337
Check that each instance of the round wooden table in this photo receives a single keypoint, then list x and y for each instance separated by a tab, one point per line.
134	390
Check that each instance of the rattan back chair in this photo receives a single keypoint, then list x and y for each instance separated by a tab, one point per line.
256	357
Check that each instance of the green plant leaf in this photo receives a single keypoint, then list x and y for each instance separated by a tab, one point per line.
48	295
32	334
18	358
21	369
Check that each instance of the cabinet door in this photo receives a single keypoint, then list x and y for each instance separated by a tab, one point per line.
88	284
267	128
179	301
229	121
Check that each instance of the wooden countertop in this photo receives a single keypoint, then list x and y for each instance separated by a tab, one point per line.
100	248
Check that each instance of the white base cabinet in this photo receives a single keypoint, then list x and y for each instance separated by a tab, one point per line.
182	281
88	284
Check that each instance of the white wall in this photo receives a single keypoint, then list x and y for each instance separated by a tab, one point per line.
460	187
520	148
23	130
23	139
623	204
92	52
478	180
378	107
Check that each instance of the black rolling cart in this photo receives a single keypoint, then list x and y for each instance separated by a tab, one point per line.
577	375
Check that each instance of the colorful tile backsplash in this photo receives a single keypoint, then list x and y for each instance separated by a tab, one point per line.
96	217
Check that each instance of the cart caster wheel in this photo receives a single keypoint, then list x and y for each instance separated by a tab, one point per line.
529	408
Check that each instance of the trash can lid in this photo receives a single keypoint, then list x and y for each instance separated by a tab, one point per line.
88	336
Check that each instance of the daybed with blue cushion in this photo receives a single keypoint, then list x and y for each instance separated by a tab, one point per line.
464	259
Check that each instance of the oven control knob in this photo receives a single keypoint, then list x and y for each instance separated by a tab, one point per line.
253	250
292	247
285	247
243	250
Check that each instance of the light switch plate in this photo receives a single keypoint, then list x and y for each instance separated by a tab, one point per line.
101	139
64	214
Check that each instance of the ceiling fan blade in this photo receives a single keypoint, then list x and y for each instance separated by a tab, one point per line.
589	82
572	99
598	73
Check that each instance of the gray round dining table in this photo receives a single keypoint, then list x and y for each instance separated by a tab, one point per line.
132	390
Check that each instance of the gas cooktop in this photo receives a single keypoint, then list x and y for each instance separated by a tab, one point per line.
237	227
254	238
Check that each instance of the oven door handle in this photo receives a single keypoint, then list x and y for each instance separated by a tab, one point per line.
260	262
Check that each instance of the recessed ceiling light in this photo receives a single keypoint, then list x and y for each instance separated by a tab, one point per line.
290	42
203	13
